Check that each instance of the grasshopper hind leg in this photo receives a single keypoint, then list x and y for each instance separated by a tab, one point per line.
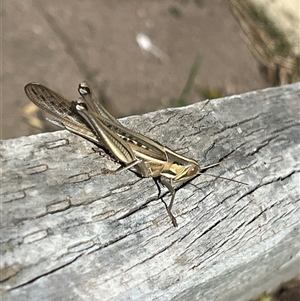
121	168
171	189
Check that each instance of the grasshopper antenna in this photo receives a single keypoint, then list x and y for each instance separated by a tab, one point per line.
220	177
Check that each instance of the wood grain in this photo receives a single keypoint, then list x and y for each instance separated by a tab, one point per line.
68	231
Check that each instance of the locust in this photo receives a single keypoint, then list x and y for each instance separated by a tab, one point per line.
88	118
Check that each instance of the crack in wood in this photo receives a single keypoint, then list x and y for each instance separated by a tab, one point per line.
82	246
59	206
32	237
13	196
37	169
78	178
57	143
24	284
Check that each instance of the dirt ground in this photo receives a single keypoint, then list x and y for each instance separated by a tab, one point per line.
60	43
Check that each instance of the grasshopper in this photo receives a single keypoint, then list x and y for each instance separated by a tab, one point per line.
88	118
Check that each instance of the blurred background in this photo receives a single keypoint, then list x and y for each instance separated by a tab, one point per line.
138	56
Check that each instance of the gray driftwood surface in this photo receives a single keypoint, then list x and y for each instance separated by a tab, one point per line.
70	232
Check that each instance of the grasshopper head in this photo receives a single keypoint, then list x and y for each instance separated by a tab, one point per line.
187	172
181	172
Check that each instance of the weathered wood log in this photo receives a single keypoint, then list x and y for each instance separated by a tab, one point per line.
70	232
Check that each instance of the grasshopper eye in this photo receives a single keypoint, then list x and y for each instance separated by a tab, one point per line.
193	170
